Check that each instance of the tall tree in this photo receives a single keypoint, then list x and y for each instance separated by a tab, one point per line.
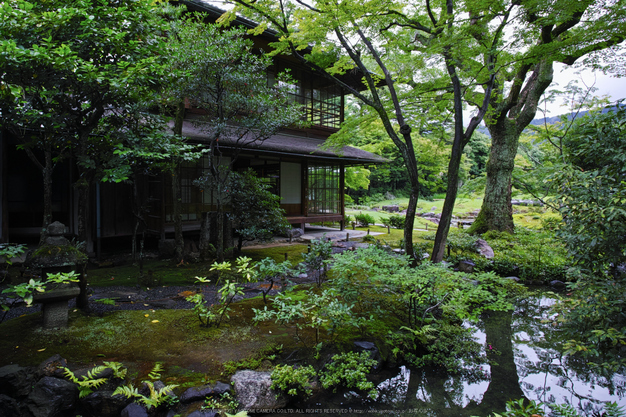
225	78
409	54
546	33
65	63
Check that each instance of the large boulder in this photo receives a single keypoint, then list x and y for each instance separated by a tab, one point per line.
50	396
254	391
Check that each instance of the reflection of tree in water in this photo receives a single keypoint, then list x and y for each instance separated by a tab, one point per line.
445	394
545	374
524	362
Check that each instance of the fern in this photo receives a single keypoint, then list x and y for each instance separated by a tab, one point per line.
156	398
564	410
87	384
119	371
614	410
155	373
423	334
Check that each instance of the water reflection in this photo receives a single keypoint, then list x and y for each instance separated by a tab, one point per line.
524	361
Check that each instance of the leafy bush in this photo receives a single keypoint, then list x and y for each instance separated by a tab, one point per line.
425	304
364	219
349	370
320	312
396	221
320	251
293	380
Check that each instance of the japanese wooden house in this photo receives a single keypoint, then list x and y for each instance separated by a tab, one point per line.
308	178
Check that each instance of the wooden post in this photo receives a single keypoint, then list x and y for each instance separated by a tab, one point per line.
388	230
347	237
368	232
286	256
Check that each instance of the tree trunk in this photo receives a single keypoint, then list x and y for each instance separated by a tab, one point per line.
176	213
512	115
47	195
496	212
443	228
176	189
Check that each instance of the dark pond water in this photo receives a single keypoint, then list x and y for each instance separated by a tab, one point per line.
526	363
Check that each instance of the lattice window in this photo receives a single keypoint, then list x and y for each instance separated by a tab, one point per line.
323	189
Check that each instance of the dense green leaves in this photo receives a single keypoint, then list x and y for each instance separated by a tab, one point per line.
592	192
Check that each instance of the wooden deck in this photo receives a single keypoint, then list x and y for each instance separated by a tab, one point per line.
315	218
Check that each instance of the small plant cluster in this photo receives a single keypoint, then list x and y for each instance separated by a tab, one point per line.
293	380
225	402
322	312
271	271
8	251
315	259
26	290
395	220
91	381
347	370
213	315
364	219
156	396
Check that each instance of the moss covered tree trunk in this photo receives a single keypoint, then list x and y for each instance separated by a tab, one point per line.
506	122
496	212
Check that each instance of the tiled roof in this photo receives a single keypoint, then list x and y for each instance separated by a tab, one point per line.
284	144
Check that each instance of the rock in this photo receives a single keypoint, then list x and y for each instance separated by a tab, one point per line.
361	346
134	410
104	404
295	233
157	385
200	393
50	396
516	279
557	284
53	366
203	413
391	209
484	249
466	266
8	406
254	392
15	381
56	229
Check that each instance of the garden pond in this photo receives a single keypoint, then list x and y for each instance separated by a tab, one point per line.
525	362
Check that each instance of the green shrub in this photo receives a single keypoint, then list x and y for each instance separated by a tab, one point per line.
293	380
364	219
395	220
349	370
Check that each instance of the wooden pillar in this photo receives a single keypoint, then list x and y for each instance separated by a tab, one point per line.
304	178
342	195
